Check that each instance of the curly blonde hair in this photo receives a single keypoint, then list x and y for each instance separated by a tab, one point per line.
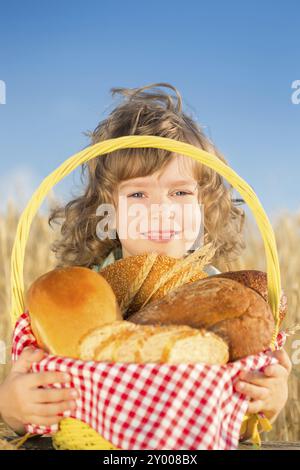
145	113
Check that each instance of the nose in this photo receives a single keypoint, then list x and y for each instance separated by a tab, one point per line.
160	214
162	207
161	199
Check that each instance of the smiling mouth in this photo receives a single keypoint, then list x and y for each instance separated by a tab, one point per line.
160	236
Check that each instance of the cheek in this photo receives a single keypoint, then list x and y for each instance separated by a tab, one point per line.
192	214
193	224
131	222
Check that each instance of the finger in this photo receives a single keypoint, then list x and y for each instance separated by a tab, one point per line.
283	359
275	370
54	395
256	406
252	391
26	358
52	409
40	379
254	377
43	420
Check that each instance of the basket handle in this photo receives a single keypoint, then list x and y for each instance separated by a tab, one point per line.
110	145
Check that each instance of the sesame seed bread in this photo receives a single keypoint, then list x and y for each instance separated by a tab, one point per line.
122	273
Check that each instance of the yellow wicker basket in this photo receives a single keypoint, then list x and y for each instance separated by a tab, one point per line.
75	434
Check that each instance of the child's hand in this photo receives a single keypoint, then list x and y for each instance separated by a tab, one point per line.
268	390
21	401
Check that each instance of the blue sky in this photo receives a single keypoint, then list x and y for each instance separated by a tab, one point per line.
233	63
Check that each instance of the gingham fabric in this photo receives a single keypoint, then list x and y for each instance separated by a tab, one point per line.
151	406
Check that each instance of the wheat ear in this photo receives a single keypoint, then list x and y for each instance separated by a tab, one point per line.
292	330
138	281
185	276
201	256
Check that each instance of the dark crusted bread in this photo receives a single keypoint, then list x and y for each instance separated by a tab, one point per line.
257	280
235	312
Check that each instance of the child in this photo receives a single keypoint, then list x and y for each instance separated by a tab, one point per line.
154	174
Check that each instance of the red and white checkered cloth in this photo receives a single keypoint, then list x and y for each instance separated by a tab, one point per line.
152	406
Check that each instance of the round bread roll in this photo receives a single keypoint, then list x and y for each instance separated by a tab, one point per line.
258	281
123	273
123	341
65	303
236	313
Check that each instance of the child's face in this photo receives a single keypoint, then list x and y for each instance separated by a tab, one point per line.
151	208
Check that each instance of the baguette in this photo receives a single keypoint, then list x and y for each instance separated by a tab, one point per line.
236	313
125	341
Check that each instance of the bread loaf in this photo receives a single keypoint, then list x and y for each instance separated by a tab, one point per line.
123	273
126	342
65	303
235	312
258	281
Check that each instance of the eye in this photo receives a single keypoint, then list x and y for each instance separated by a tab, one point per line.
135	193
185	193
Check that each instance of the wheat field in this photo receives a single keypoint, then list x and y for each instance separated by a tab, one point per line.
40	259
